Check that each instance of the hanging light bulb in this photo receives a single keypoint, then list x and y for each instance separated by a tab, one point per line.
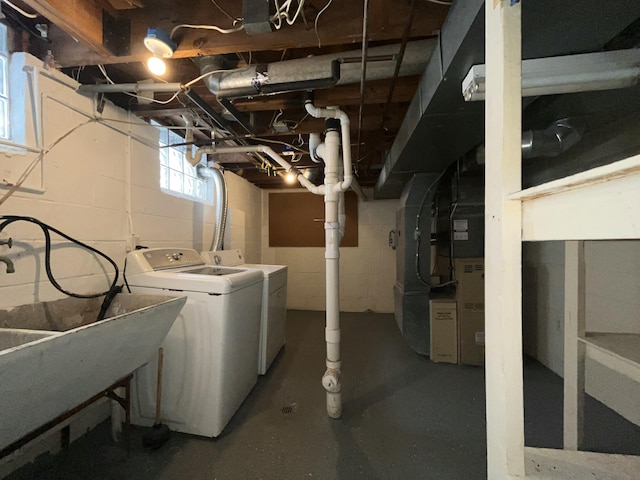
156	66
290	178
158	42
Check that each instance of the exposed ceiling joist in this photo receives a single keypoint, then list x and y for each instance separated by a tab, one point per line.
81	19
337	26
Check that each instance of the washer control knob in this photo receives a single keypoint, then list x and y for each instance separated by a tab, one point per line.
176	256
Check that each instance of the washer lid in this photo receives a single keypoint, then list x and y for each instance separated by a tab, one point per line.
213	280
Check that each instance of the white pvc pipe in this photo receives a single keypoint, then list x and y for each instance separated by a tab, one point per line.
334	112
314	142
317	189
335	219
332	377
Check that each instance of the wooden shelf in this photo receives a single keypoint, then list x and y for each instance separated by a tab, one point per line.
598	204
550	464
606	173
617	351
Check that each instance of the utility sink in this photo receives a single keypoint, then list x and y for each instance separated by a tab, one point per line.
55	355
14	337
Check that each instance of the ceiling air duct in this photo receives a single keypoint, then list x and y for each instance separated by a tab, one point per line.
311	73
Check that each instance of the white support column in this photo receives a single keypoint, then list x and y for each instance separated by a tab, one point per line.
574	351
503	251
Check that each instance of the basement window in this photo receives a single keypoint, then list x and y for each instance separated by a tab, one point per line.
4	84
177	176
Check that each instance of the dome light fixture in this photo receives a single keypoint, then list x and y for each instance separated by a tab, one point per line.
161	46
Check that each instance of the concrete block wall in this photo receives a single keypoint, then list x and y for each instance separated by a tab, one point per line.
244	222
612	305
100	186
367	272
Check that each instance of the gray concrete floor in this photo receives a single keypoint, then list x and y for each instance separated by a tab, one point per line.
404	417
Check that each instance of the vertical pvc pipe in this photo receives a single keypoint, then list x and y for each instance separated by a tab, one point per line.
331	379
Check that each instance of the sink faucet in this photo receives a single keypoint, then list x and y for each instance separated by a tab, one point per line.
10	267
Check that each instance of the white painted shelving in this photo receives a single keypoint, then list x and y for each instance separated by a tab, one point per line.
599	204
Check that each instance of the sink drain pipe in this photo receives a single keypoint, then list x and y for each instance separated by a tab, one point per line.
338	179
334	189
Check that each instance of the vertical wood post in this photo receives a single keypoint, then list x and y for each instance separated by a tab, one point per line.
574	351
503	251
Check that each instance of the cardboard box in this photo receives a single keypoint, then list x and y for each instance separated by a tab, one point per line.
470	277
470	298
444	330
471	337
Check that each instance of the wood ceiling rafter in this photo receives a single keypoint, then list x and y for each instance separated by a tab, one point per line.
77	40
341	25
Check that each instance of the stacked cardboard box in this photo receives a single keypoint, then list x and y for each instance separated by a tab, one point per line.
444	330
470	298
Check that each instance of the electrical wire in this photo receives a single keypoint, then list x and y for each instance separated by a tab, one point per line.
280	142
440	2
315	23
418	236
206	27
146	99
20	11
234	20
212	72
21	179
46	229
282	11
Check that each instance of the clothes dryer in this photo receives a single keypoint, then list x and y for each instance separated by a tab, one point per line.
274	302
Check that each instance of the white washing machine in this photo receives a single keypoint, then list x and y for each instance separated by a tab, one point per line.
274	302
211	351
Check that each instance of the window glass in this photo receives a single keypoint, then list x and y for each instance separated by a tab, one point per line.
4	90
177	175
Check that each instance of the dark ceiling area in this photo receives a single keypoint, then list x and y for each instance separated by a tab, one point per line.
406	109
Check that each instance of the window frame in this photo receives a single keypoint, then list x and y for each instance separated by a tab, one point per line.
174	167
5	101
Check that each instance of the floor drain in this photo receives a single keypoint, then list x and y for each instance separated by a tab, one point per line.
288	409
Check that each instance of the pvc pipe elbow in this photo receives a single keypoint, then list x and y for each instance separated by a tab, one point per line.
314	143
315	189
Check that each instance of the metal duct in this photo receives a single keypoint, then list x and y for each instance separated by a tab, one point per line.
220	188
314	72
559	137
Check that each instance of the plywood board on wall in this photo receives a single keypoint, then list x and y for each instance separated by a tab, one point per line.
297	220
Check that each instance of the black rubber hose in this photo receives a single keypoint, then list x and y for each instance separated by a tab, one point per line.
9	219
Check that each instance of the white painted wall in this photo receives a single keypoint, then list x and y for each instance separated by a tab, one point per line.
244	220
367	272
612	305
100	186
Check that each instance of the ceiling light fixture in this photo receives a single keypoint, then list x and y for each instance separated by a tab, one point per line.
566	74
290	177
158	42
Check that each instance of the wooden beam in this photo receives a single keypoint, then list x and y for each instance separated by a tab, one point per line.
340	24
574	350
81	19
503	251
